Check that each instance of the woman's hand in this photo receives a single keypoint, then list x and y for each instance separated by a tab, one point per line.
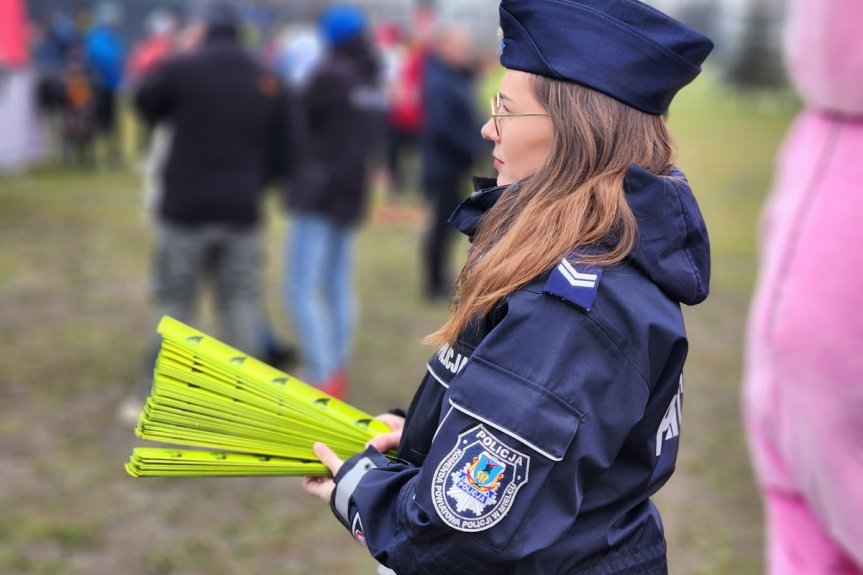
322	487
386	441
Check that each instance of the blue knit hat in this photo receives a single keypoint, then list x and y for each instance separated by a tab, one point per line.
340	23
622	48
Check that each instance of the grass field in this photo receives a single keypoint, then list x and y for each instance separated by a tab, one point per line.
74	318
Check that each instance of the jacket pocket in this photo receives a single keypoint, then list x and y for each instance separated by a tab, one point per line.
516	406
496	471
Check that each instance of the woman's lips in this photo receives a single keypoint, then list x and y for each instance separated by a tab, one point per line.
497	163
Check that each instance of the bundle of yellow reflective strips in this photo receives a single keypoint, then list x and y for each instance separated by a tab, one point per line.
249	418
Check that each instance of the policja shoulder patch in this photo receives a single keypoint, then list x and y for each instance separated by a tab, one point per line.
575	287
475	485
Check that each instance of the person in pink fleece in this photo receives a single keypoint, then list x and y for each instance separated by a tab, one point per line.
803	389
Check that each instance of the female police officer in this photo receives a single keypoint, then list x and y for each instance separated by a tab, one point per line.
551	413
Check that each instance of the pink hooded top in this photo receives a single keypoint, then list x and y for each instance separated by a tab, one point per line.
803	392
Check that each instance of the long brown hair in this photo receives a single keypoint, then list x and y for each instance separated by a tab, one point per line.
576	199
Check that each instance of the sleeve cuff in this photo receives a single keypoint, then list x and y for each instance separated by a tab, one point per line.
348	478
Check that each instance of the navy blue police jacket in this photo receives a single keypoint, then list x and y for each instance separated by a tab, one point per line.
534	442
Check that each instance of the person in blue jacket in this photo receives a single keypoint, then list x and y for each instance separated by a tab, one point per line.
552	411
105	54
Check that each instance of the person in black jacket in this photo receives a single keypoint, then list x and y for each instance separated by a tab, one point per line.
228	117
449	143
341	109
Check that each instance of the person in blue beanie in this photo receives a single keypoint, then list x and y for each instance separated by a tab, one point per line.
551	412
341	108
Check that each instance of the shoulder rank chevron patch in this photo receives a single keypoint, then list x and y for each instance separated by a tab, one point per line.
576	287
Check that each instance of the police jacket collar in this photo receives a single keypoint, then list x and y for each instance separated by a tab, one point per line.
466	217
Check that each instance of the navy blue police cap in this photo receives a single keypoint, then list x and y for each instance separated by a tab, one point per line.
622	48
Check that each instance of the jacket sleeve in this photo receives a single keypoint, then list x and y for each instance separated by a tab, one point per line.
540	410
154	96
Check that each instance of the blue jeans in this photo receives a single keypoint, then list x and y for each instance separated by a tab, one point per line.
318	288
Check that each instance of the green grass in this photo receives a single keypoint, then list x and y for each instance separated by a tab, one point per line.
74	258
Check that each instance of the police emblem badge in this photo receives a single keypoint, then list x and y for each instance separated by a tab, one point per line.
475	485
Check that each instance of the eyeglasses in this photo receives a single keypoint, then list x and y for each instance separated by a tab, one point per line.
496	105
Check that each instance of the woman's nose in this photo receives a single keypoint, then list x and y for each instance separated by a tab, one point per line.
488	131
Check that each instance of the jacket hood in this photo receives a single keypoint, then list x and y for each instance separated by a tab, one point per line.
673	248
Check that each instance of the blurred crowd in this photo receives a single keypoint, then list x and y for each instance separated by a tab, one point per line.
86	62
326	110
80	68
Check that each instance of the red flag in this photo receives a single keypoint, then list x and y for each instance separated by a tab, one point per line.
13	34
